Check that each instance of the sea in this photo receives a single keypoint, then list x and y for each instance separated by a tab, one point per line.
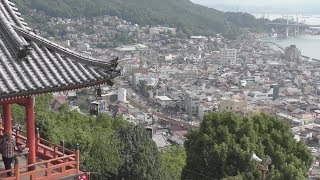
308	44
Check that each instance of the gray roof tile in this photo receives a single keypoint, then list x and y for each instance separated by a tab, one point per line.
46	67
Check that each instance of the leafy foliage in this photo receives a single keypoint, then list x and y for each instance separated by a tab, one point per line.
110	147
141	159
190	18
222	147
174	158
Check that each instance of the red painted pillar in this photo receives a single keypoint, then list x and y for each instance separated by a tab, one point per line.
31	134
7	118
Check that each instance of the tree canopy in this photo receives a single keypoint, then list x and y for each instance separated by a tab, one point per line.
223	145
110	147
220	149
141	157
174	158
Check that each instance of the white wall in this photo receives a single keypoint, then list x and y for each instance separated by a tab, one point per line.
122	95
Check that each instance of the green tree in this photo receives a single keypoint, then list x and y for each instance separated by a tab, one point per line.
104	156
110	146
222	147
140	155
174	158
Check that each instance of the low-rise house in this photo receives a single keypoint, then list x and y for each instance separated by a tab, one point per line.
305	135
234	104
164	101
57	102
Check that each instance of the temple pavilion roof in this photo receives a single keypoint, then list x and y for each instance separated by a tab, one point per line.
31	65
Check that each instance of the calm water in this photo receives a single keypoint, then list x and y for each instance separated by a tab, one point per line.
309	45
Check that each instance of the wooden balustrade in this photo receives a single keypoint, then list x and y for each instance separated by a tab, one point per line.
49	169
57	160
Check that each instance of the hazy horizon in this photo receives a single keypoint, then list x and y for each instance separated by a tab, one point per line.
262	6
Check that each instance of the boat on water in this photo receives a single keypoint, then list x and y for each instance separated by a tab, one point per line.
273	35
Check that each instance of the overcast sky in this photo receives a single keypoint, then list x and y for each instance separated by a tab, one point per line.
279	6
259	2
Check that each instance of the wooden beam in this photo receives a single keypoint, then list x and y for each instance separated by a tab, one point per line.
31	131
7	118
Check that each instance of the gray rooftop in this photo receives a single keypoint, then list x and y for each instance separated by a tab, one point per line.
31	65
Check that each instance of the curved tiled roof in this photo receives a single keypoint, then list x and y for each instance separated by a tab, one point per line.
43	66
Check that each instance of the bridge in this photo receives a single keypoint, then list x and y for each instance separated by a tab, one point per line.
292	24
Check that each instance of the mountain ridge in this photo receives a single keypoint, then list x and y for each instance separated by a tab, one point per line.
190	18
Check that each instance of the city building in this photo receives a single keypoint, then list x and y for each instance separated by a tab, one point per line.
292	53
158	30
164	101
98	106
186	74
271	94
122	95
228	57
132	47
205	108
57	102
234	104
137	77
192	102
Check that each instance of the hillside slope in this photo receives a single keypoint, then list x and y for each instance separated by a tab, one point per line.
191	18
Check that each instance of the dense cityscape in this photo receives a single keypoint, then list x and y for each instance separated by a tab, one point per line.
161	97
167	79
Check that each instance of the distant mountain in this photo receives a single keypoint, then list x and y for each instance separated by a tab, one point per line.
188	17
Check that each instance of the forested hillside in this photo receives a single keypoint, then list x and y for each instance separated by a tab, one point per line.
190	18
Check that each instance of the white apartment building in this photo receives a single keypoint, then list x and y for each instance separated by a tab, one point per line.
122	95
271	94
158	30
228	57
192	102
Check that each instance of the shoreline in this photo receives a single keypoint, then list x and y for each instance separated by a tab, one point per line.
307	43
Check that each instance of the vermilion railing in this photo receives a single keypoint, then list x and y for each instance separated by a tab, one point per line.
56	161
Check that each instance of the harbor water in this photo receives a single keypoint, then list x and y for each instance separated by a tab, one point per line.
308	44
